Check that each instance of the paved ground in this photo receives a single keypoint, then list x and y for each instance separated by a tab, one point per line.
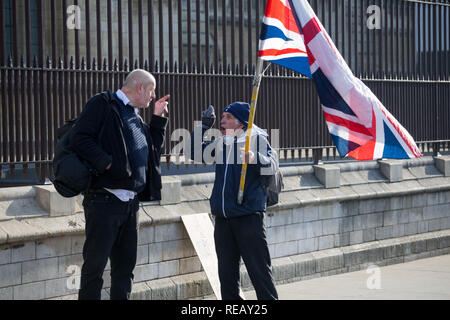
424	279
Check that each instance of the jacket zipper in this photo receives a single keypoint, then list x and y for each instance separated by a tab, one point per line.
225	182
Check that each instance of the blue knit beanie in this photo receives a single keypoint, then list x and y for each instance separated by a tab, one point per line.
240	110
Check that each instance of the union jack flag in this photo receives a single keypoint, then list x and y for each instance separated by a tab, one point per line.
361	127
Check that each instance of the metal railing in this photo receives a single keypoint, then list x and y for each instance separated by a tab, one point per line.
202	53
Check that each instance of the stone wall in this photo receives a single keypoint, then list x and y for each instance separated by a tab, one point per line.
339	224
331	219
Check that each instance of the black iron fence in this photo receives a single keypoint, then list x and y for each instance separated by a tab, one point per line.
56	54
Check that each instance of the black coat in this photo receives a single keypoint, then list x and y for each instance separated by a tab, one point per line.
97	137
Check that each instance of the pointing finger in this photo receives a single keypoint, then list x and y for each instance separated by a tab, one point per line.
163	99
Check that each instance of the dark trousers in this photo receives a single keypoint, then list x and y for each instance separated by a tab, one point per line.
243	237
111	232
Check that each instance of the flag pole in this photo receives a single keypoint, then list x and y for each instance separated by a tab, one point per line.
255	92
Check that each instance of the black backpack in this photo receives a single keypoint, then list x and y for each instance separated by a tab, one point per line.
72	175
273	184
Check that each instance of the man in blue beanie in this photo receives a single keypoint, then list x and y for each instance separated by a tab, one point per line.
239	230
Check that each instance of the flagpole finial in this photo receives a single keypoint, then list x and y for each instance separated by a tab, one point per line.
258	72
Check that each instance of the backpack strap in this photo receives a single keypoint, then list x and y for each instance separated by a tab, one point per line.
108	96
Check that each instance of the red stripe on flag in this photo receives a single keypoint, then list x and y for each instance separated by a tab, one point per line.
353	126
275	52
364	152
277	10
310	30
311	58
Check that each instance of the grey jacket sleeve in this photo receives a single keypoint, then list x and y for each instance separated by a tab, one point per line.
267	158
196	146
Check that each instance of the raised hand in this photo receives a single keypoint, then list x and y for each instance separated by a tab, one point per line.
208	118
161	106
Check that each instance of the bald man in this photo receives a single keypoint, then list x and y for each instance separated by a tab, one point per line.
125	154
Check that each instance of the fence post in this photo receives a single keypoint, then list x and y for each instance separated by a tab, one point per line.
317	155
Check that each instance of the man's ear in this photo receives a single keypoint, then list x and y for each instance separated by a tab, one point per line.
240	124
140	87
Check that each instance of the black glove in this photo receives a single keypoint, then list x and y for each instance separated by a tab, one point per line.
208	118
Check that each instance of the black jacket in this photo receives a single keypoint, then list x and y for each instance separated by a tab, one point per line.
228	167
97	137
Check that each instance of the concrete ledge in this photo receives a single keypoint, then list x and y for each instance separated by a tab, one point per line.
308	266
16	193
162	289
357	257
200	178
392	169
40	228
182	287
329	176
153	214
303	266
171	190
312	265
443	165
56	205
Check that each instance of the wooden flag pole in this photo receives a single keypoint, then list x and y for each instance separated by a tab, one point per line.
256	84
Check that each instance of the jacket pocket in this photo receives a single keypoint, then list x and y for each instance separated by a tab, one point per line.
112	142
255	198
215	202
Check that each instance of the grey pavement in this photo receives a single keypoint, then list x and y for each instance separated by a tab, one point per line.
424	279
